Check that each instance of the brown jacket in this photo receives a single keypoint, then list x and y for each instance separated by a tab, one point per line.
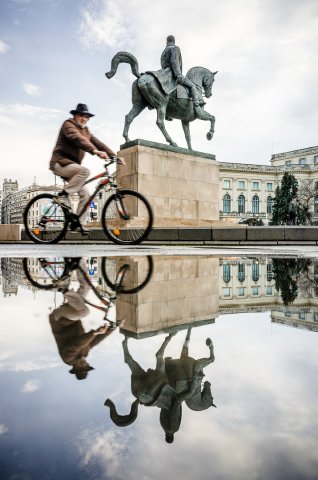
72	143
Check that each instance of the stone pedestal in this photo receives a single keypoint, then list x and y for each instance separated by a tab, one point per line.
183	292
181	185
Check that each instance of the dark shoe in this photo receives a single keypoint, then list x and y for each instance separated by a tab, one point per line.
80	229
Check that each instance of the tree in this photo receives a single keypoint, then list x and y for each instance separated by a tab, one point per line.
306	196
283	195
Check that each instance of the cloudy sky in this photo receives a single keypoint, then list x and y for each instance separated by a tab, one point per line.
54	53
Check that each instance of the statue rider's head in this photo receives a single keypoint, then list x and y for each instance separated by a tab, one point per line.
171	39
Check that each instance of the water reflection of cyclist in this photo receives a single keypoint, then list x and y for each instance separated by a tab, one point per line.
74	344
73	141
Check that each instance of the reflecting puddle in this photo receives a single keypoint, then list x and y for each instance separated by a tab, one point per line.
163	367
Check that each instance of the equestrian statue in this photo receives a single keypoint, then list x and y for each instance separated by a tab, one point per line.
168	91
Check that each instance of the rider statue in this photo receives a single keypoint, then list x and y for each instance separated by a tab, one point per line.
171	64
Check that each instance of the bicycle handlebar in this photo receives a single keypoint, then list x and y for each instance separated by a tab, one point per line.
119	161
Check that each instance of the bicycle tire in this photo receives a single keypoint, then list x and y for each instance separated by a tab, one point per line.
34	278
126	289
132	230
40	233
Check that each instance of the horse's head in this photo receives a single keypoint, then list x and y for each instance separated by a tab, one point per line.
207	82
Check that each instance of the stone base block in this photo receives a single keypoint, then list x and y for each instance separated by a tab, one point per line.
10	233
181	185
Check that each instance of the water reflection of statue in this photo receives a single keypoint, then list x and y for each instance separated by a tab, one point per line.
172	382
74	344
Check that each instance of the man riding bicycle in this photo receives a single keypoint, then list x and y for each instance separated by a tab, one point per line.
73	141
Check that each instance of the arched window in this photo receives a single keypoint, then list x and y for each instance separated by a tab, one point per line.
269	204
255	204
241	272
255	272
226	273
226	203
316	204
241	204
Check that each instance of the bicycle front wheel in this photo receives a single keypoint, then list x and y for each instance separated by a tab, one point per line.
127	274
127	217
44	220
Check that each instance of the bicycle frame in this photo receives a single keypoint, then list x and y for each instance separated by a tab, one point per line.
109	180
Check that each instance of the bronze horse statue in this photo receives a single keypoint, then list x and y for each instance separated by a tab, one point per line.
148	92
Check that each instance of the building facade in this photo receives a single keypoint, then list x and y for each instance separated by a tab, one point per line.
248	190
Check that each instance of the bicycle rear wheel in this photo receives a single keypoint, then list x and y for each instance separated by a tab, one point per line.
127	217
44	273
127	274
44	220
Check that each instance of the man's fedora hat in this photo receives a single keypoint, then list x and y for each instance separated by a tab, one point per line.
81	108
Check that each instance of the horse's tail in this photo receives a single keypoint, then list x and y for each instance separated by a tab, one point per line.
123	57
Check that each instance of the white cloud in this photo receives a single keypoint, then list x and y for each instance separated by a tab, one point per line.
28	366
103	24
3	429
29	110
106	449
30	386
31	89
4	47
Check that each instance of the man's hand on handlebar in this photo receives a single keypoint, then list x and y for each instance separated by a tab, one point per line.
100	154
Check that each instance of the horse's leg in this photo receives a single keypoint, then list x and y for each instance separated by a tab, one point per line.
186	129
139	104
160	364
203	115
136	370
185	347
204	362
161	114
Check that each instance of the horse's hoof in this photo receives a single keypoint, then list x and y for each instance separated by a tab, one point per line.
173	144
209	135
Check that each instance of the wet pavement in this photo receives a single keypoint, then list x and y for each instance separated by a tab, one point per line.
158	362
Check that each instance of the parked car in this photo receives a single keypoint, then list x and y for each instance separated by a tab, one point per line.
251	221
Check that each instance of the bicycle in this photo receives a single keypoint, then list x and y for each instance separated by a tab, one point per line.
126	216
55	273
118	272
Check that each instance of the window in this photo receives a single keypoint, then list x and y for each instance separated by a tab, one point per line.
269	290
288	163
255	290
241	185
255	186
269	204
241	204
241	292
226	184
302	161
241	272
227	203
269	269
226	292
302	316
255	204
316	204
316	159
255	272
269	187
287	314
226	273
315	316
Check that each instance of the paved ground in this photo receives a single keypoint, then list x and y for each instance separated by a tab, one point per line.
63	250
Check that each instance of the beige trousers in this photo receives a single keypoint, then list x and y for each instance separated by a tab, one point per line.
76	176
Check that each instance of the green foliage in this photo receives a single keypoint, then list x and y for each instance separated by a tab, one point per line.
286	274
283	195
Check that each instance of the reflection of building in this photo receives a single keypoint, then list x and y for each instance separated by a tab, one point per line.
249	189
248	285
